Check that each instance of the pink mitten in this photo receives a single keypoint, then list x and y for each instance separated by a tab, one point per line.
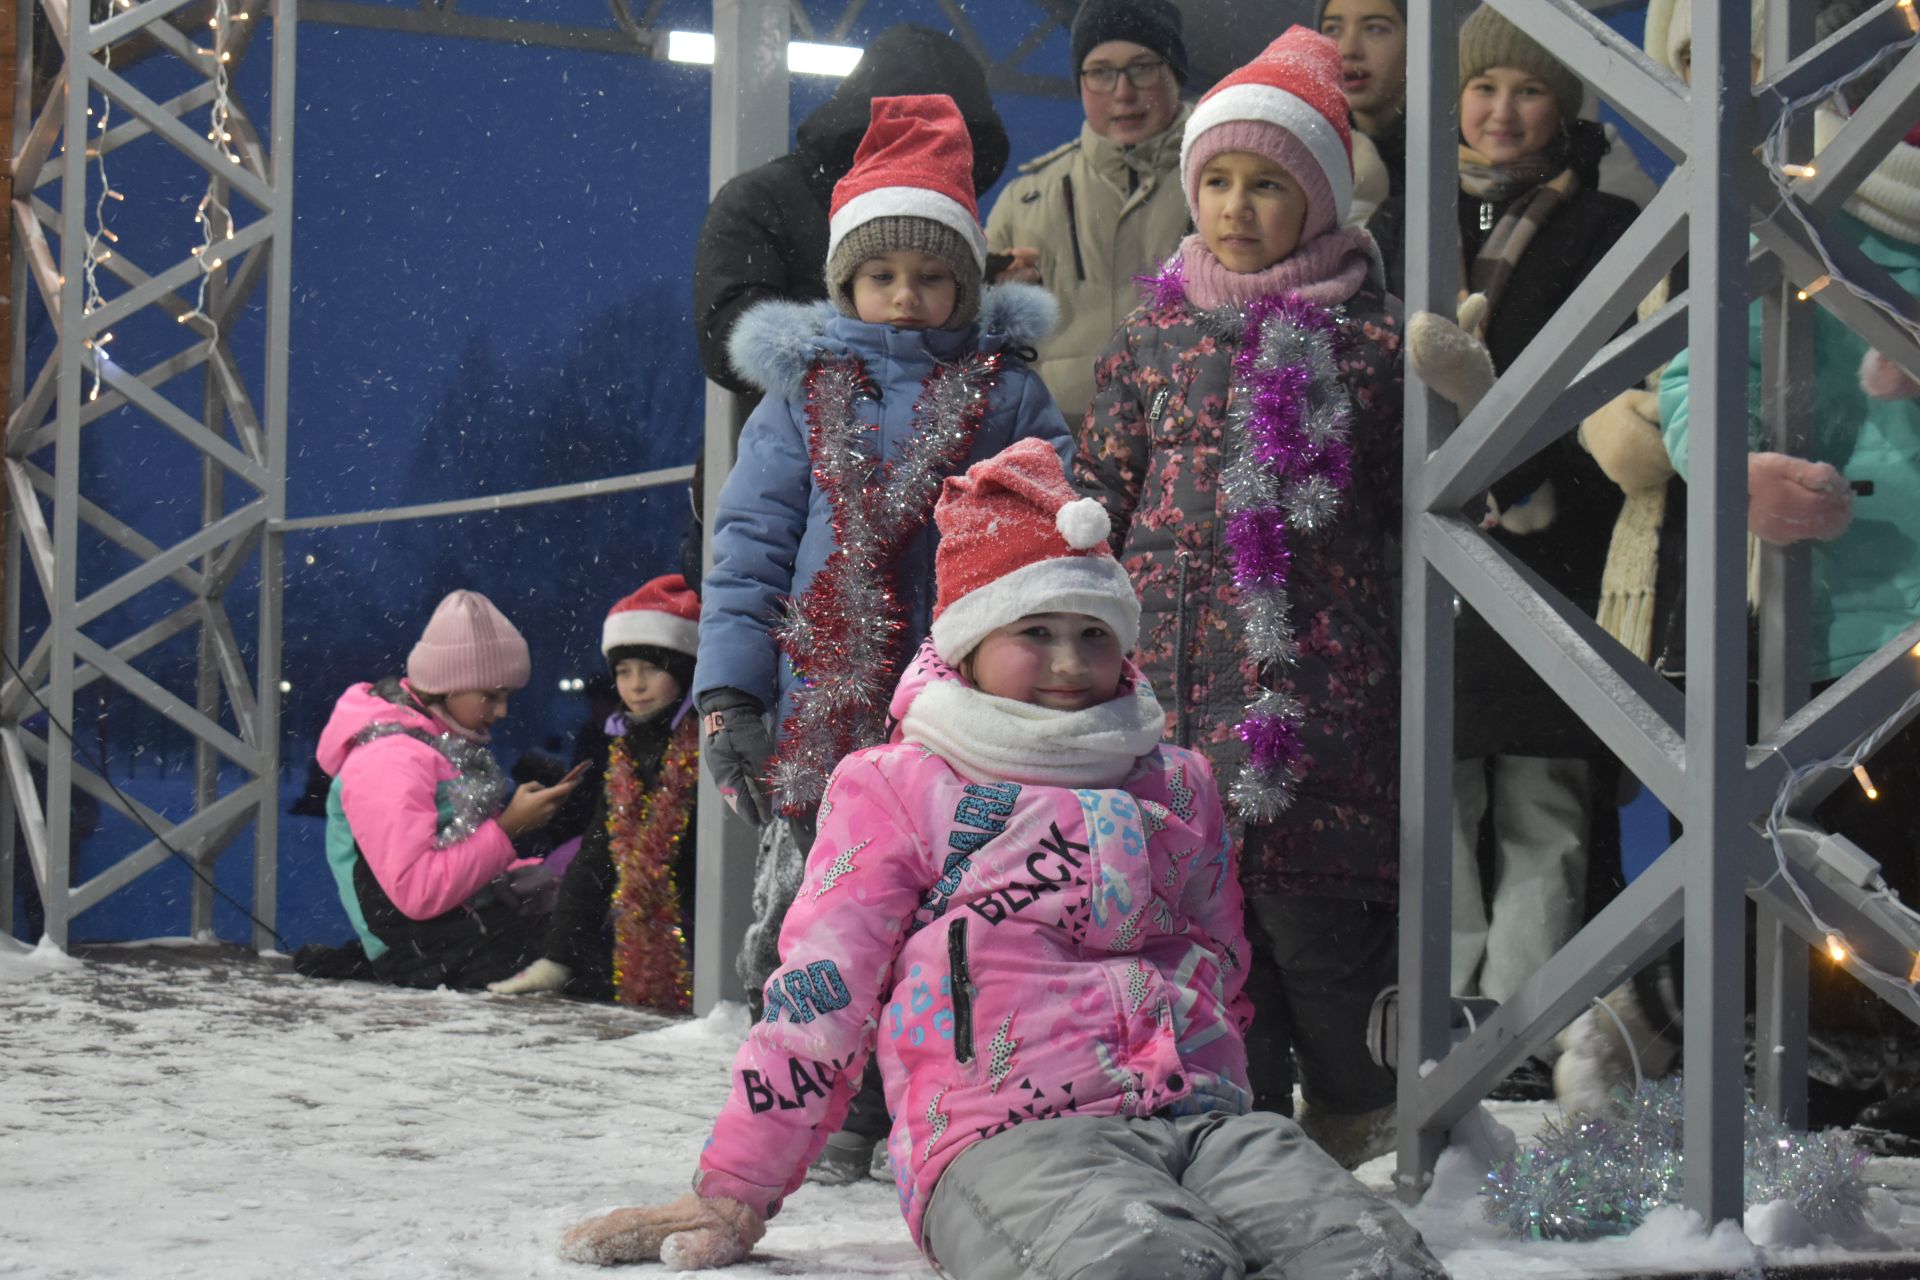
691	1234
1882	379
1789	499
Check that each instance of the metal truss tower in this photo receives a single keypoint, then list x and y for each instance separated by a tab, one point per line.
1730	140
202	356
227	401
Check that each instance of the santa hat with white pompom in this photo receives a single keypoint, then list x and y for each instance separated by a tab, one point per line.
1016	540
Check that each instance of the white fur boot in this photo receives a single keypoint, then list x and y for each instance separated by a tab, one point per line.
1595	1060
542	975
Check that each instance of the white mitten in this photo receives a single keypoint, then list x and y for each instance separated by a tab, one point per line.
1882	379
1623	435
693	1233
1447	355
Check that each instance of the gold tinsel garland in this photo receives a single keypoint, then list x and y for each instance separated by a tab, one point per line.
644	830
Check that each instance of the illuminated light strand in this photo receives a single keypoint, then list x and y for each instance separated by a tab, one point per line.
96	252
1836	945
1866	783
1818	283
1783	175
212	214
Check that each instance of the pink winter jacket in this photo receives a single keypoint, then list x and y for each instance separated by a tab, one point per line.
390	792
1020	953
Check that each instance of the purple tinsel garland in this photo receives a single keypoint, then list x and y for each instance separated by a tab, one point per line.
1288	461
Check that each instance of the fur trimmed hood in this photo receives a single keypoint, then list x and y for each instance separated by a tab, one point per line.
773	343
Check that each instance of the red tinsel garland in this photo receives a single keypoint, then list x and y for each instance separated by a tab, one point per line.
644	830
839	634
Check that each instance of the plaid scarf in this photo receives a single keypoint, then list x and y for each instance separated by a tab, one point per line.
1537	185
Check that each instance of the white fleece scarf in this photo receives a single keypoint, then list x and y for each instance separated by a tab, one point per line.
1888	199
991	739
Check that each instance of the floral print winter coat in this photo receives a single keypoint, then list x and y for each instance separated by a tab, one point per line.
1150	450
1018	952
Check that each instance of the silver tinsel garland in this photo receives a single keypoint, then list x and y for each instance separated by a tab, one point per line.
1601	1175
472	797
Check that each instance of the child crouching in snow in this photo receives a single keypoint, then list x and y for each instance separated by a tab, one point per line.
1031	904
418	842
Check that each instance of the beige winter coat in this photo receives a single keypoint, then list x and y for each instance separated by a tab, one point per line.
1129	215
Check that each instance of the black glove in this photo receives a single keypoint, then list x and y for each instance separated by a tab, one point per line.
736	749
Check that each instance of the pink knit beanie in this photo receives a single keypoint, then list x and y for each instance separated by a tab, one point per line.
468	644
1285	105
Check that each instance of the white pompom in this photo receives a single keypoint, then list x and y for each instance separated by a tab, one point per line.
1083	523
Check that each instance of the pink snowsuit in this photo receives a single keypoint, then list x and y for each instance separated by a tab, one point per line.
1021	952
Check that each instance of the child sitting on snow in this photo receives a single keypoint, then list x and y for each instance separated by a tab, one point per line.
1032	905
419	845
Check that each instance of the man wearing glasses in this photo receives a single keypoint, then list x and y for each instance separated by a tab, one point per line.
1086	218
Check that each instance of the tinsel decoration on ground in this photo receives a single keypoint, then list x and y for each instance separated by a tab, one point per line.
645	827
1601	1175
1287	464
839	635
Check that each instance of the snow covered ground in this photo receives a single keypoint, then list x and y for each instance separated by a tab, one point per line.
166	1117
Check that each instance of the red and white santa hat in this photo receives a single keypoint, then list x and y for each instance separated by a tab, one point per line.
916	161
1287	105
665	613
1015	539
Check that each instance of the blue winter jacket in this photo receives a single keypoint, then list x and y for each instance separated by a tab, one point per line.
1866	582
774	527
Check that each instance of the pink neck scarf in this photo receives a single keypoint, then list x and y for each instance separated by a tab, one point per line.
1326	270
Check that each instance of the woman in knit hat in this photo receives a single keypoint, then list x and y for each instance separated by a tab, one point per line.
638	851
1035	897
420	847
1245	439
1532	226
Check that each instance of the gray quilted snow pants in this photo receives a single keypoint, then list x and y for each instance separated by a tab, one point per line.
1165	1198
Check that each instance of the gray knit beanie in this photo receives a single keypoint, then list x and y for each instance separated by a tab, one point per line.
878	237
1488	40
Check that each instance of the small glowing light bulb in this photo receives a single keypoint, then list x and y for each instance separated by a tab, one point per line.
1913	974
1866	782
1836	948
1798	170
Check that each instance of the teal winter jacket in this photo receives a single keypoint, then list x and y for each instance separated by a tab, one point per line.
1866	582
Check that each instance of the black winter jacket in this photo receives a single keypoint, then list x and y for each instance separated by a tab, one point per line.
1502	707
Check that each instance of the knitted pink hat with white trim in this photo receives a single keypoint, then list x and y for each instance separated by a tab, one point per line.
468	644
664	613
1286	105
1015	539
915	162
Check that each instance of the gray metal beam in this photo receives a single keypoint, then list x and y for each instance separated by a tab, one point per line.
1426	655
749	128
1780	961
1716	615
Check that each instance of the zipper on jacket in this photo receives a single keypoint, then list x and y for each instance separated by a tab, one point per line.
1073	229
962	983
